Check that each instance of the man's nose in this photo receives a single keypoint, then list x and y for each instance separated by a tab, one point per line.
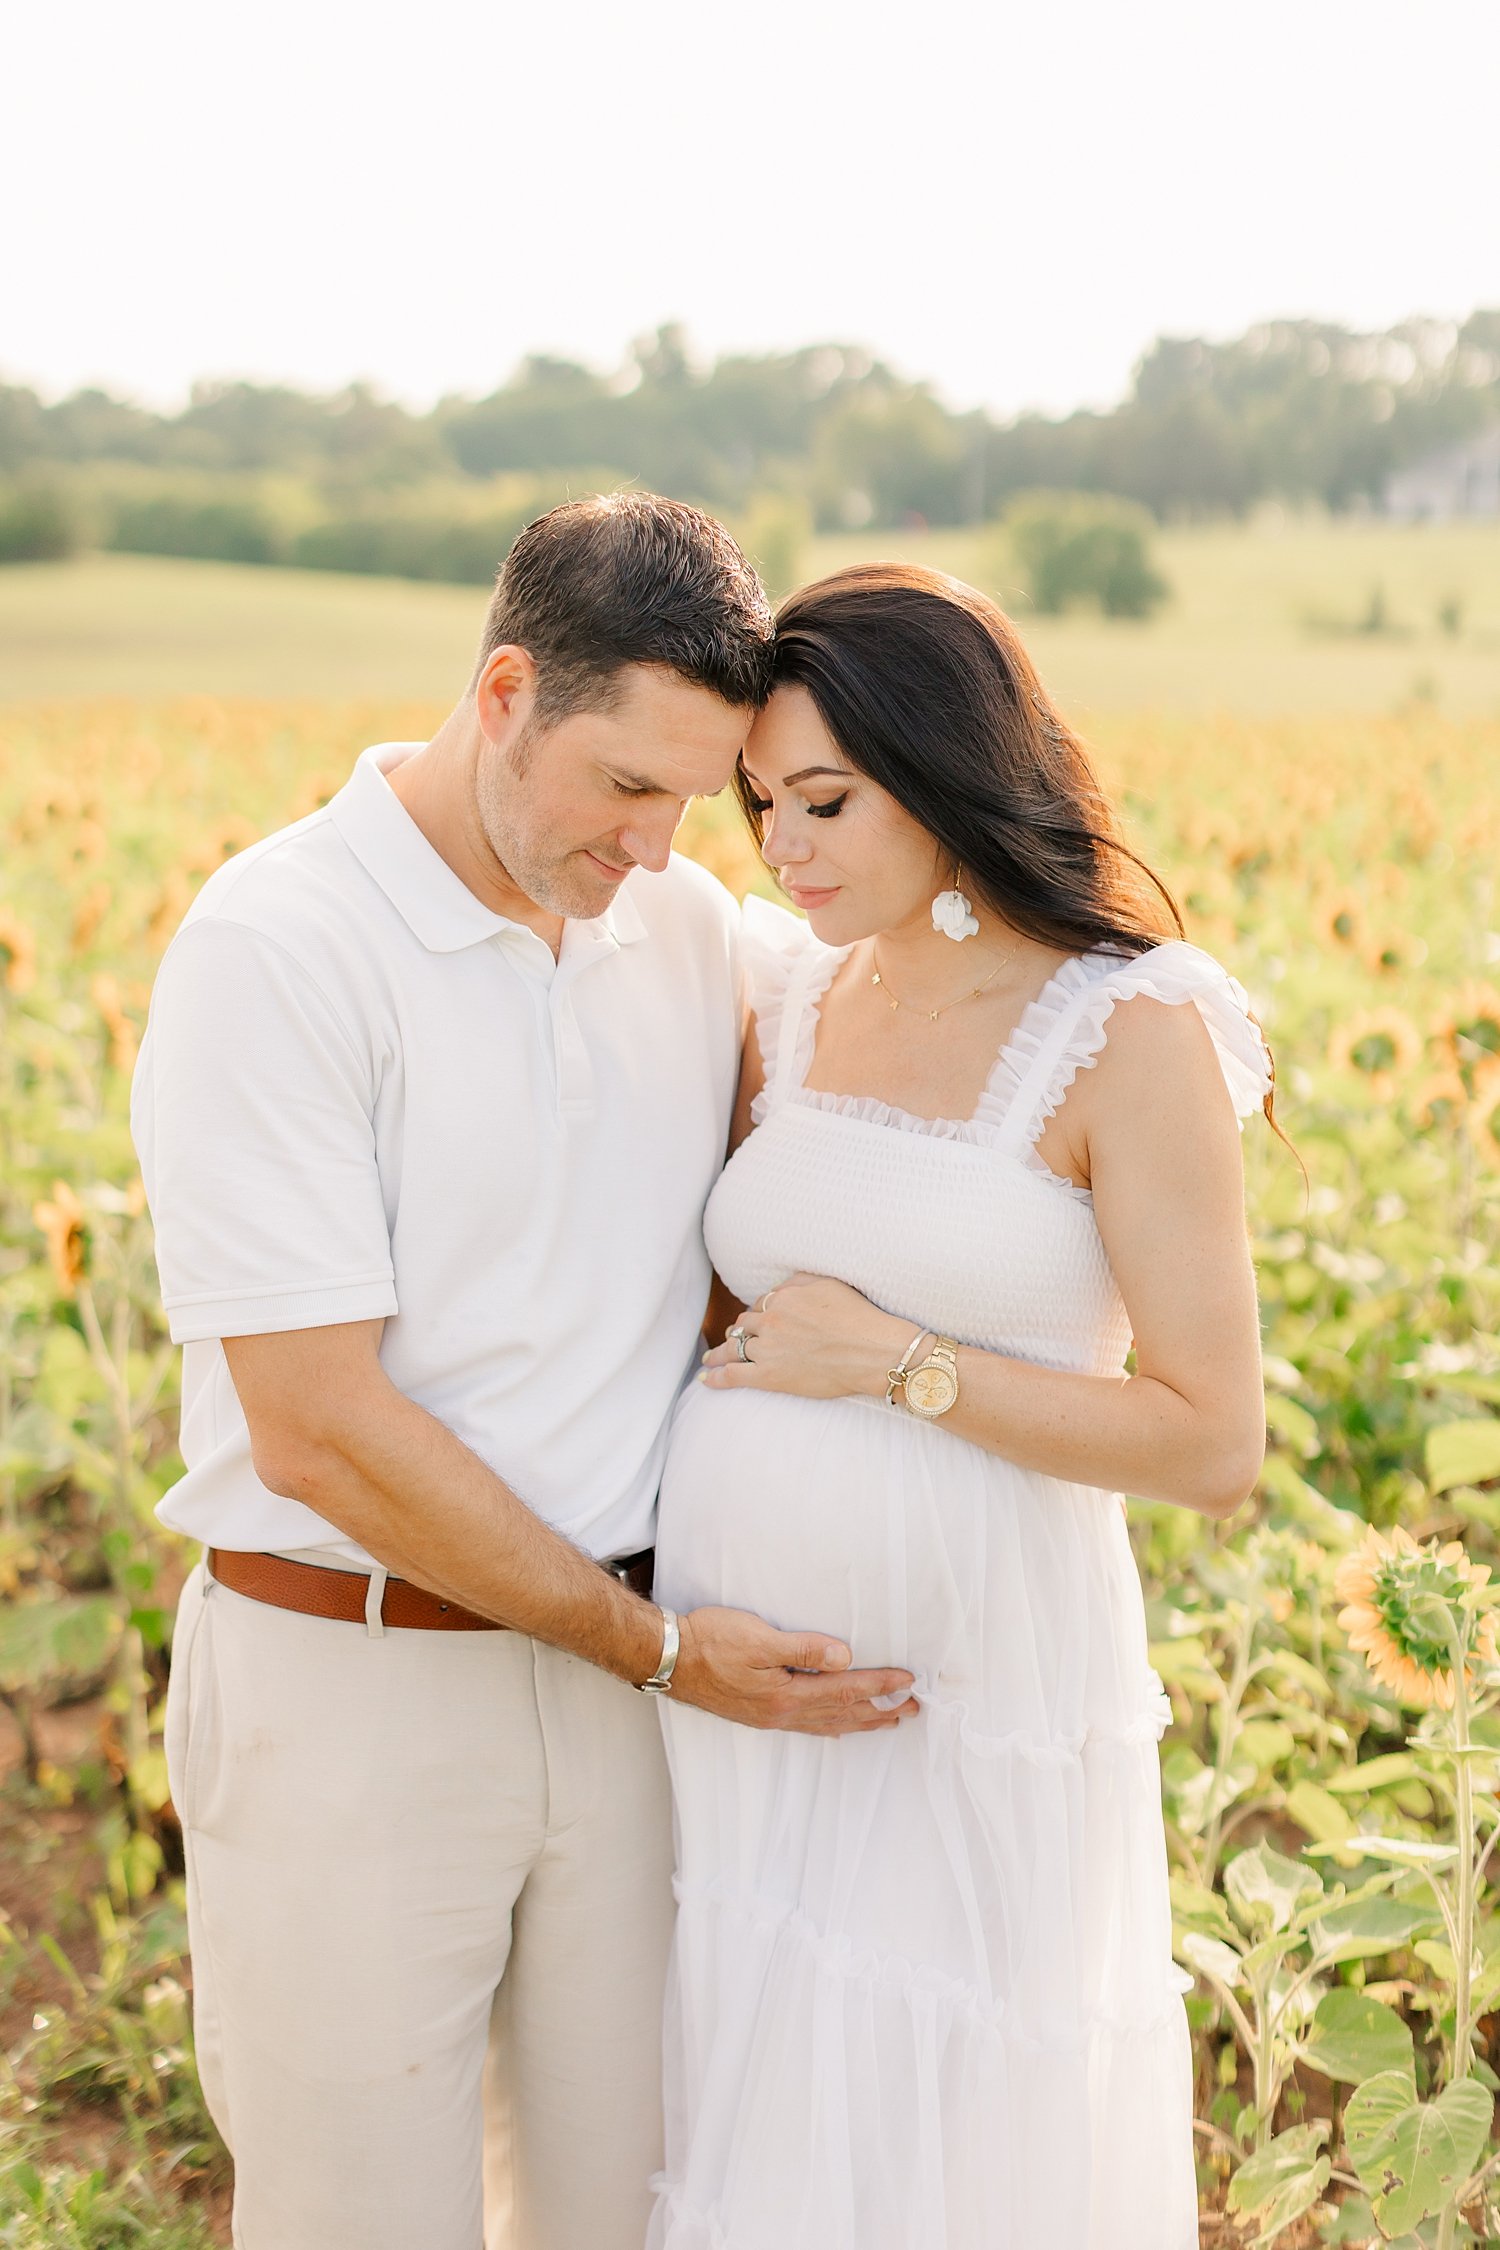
648	839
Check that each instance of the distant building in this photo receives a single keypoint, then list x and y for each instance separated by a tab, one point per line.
1461	480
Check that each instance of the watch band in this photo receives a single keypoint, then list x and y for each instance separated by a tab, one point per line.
897	1374
660	1682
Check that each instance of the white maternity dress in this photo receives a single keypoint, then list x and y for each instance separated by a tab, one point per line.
923	1995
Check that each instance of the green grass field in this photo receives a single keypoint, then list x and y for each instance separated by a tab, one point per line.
1263	621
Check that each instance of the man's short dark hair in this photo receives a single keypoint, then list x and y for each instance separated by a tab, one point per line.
630	578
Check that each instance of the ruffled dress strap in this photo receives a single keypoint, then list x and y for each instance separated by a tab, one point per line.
786	968
1065	1028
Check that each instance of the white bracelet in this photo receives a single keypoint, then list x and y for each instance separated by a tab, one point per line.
660	1682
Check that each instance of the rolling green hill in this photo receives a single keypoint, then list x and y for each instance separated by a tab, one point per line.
1264	620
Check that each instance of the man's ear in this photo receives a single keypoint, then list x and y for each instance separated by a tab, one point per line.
505	692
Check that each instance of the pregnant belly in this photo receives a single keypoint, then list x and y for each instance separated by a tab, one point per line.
1011	1592
828	1515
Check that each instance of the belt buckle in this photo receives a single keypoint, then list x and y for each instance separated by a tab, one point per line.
621	1566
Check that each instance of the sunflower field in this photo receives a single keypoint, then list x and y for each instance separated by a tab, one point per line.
1331	1778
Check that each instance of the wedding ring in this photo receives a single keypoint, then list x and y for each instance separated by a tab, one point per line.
765	1303
738	1333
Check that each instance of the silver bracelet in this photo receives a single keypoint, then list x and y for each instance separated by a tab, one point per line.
660	1682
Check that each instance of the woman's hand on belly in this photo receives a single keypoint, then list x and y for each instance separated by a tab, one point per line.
812	1338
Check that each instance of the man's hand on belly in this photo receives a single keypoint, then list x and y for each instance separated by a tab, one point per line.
740	1668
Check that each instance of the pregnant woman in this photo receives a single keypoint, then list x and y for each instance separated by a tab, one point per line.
923	1995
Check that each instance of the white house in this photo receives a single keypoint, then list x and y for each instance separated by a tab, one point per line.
1461	480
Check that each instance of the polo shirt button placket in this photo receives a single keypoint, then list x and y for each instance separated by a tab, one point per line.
585	945
575	1075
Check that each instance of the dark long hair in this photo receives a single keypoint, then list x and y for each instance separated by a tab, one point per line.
925	687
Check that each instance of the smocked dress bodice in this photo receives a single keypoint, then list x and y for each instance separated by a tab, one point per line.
958	1225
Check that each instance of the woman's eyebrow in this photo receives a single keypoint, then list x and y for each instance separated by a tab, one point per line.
844	772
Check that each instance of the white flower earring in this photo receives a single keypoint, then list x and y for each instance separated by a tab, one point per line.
952	913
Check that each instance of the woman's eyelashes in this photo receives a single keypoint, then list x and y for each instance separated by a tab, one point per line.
760	806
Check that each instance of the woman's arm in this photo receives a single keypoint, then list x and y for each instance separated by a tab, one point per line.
1153	1131
723	1305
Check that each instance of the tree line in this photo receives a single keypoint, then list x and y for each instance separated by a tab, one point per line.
1297	410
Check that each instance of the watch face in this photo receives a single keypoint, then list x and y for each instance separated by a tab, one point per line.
931	1389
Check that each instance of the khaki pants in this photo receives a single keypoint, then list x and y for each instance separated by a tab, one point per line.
429	1892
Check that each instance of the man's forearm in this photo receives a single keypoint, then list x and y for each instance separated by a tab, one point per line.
329	1428
394	1478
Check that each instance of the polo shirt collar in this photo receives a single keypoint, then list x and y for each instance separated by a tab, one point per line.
437	906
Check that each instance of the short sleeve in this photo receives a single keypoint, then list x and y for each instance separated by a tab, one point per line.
773	945
1183	973
253	1116
1066	1031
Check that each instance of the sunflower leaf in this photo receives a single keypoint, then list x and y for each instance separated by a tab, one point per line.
1414	2156
1355	2038
1407	1851
1375	1773
1365	1928
1284	2179
1462	1453
1265	1889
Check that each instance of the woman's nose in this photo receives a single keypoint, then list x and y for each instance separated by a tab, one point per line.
780	848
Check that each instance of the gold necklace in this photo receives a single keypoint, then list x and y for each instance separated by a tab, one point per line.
932	1014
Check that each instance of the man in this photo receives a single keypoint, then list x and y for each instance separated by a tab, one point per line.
434	1087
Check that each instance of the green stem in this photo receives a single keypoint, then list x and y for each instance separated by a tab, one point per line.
1264	2058
112	1359
1464	1958
1320	1715
8	1510
1239	1680
1465	1185
1463	1948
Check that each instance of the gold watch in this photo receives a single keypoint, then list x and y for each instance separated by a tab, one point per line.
932	1387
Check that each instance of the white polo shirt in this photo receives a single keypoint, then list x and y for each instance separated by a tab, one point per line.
363	1095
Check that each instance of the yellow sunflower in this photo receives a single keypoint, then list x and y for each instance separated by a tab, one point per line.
173	901
1382	1043
108	999
17	953
1397	953
229	836
65	1230
1391	1589
1471	1028
89	913
1483	1117
1341	919
1439	1099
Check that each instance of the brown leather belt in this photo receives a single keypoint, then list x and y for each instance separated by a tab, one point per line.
313	1591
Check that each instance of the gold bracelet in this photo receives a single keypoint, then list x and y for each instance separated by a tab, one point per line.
897	1374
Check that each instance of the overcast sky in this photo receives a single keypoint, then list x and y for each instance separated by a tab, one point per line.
1008	198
